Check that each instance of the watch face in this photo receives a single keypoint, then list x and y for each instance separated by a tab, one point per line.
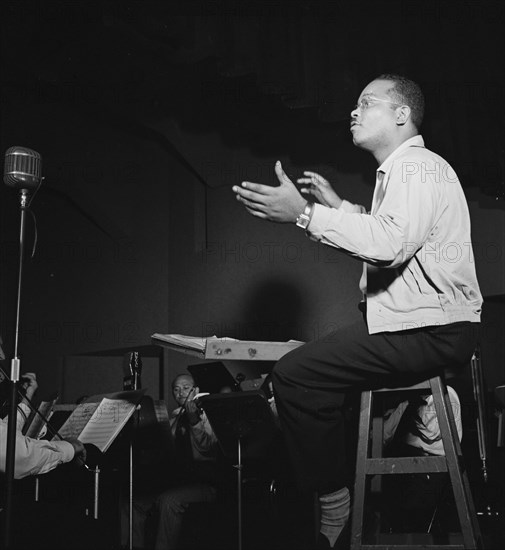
302	221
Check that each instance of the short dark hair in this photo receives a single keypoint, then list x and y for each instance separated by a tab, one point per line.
406	92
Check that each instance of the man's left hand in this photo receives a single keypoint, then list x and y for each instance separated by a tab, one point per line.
29	385
277	204
192	410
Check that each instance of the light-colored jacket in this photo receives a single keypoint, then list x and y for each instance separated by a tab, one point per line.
419	267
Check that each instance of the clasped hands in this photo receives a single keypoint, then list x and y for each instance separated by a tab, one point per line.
285	202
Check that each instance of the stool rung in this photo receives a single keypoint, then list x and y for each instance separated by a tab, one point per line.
410	541
369	462
412	547
403	465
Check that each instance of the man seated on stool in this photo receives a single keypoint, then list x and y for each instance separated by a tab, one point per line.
35	456
191	478
421	308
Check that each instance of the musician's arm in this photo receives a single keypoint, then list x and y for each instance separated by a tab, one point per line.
28	386
22	416
34	456
203	435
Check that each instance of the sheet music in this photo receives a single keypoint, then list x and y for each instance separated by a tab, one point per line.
75	423
106	422
192	342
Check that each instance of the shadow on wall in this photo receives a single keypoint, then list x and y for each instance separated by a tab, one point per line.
272	311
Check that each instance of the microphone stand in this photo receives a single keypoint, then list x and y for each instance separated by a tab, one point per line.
15	370
133	383
479	390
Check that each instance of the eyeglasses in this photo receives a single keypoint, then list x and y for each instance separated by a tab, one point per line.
367	102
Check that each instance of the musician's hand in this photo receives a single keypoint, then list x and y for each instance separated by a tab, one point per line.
281	204
192	410
79	451
320	188
29	385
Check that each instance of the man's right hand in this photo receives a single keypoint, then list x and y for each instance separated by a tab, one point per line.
320	188
79	451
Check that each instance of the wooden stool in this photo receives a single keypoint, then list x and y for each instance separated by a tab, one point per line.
371	463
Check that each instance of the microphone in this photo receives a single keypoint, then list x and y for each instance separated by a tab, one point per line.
22	168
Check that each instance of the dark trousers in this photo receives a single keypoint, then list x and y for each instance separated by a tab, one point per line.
311	382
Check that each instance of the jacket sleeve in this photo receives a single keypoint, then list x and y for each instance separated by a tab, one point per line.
203	436
396	231
34	456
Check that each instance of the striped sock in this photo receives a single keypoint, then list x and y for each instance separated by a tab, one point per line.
334	513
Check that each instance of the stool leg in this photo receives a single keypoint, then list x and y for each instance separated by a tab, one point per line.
459	479
358	506
377	445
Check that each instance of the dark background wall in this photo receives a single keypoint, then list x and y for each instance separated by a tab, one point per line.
146	117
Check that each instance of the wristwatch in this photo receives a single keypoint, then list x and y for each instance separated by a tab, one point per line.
304	218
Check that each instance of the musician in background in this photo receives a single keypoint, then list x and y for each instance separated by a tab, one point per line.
190	476
414	423
35	456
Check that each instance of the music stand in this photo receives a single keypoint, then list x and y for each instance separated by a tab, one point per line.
211	376
244	425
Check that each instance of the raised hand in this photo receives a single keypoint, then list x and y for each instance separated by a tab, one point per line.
320	188
281	204
192	410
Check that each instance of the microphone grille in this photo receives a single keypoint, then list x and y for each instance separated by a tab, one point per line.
23	167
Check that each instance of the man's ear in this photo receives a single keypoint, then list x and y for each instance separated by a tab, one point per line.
402	114
197	390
